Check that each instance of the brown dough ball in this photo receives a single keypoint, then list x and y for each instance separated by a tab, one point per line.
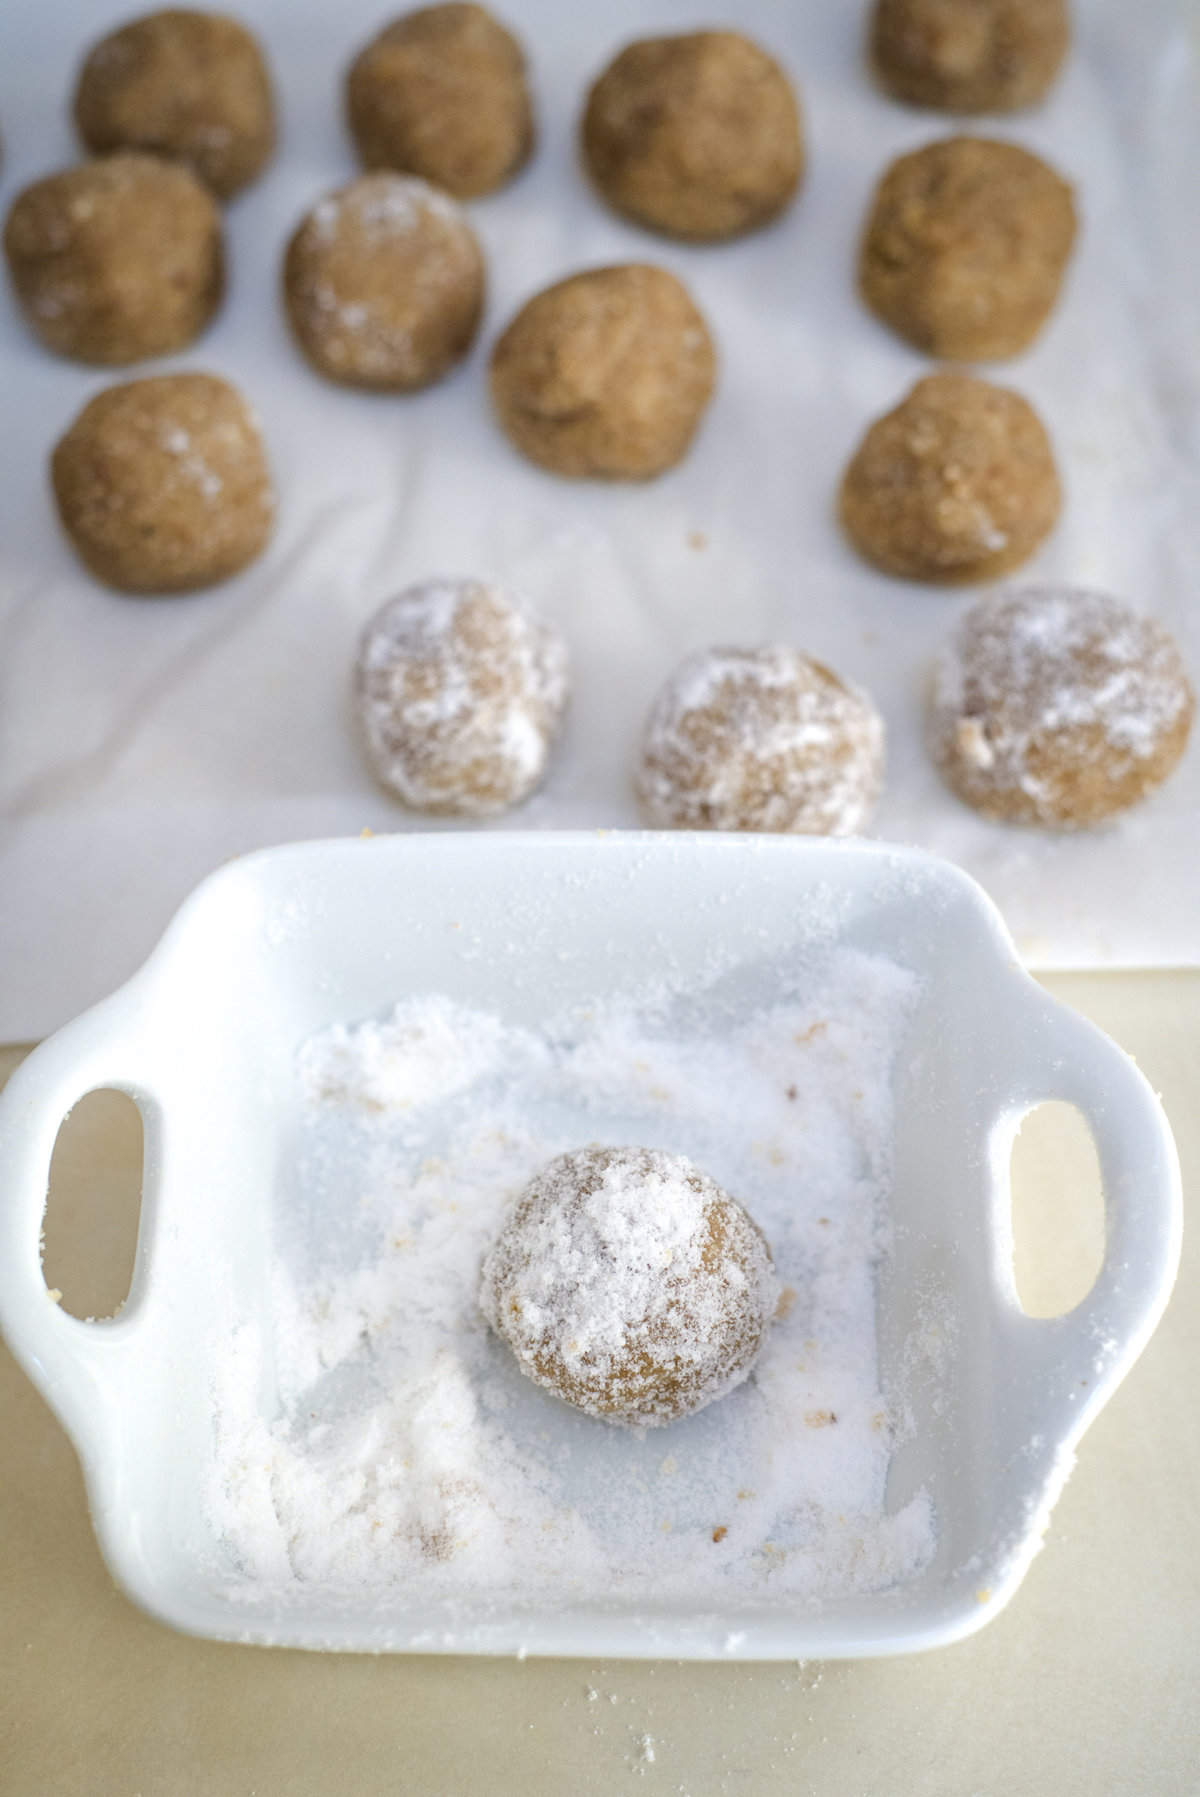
957	484
969	55
162	484
606	373
966	246
190	86
696	136
460	692
383	283
1058	707
760	739
116	260
630	1285
441	93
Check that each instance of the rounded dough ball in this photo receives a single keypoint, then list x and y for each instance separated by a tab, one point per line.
116	260
629	1284
957	484
441	93
189	86
383	283
460	692
760	739
606	374
697	136
966	246
1058	707
162	484
969	55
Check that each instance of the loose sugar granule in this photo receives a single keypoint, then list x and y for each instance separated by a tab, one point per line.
403	1450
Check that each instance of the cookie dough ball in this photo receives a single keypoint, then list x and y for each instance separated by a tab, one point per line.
188	86
629	1284
163	486
116	260
696	136
1058	707
605	374
760	739
383	283
460	692
966	247
969	55
441	93
957	484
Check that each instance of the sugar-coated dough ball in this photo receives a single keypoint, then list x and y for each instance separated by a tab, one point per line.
441	93
1059	707
760	739
969	55
189	86
383	283
966	248
696	136
116	260
627	1282
162	484
607	373
460	691
957	484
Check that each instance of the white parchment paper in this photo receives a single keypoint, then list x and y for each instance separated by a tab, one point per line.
143	742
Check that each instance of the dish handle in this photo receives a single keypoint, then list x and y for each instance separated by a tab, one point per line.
1064	1368
77	1365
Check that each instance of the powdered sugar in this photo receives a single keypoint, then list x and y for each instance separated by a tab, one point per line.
1035	678
761	739
422	1053
382	205
461	690
626	1281
383	280
402	1451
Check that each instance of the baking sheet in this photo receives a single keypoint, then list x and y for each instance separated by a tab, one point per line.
143	742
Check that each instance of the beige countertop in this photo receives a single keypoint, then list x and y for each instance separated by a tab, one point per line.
1087	1683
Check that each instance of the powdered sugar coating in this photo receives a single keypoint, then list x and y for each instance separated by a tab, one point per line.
1058	706
384	283
626	1281
373	1437
460	692
761	739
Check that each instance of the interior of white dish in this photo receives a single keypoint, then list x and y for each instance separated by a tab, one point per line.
283	944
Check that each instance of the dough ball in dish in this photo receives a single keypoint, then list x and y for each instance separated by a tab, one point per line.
460	692
760	739
162	484
189	86
116	260
605	374
627	1282
959	483
441	93
969	56
383	283
966	248
696	136
1058	706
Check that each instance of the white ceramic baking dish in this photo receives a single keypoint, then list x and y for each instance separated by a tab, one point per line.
283	943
